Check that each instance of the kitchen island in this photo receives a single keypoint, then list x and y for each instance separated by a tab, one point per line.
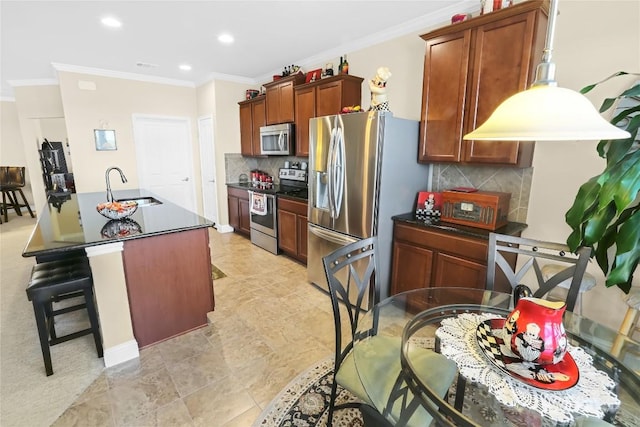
152	271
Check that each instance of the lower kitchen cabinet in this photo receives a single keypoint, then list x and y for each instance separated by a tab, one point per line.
292	228
239	218
426	257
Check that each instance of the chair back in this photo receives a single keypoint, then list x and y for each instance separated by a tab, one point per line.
531	257
12	176
350	273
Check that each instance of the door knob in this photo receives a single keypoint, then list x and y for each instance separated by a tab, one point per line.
186	179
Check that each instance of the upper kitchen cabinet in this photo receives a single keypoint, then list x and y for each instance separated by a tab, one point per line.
322	98
470	68
252	116
280	103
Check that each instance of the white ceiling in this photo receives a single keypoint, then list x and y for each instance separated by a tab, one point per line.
268	35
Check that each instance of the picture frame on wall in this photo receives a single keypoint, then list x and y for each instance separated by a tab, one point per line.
105	139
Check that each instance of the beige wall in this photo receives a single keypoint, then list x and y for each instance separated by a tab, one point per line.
11	148
111	106
220	99
35	105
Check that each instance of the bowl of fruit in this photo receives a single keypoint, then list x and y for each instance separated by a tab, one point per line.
117	210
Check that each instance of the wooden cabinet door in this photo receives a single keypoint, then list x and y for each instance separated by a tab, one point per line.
452	271
329	99
443	97
287	112
234	212
244	216
501	68
305	109
302	238
287	230
272	105
246	130
412	266
259	118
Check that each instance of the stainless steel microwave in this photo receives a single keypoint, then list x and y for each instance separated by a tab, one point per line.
277	140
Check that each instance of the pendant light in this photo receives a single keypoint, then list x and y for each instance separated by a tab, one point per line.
546	112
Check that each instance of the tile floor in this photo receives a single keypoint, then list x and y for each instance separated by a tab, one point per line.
269	325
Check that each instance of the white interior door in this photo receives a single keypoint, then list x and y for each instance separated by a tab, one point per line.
164	158
208	168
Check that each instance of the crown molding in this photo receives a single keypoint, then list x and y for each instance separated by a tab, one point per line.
33	82
421	24
120	75
228	78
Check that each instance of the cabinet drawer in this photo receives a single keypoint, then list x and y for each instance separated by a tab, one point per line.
292	206
236	192
445	242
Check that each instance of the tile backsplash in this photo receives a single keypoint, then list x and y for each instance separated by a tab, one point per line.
516	181
236	164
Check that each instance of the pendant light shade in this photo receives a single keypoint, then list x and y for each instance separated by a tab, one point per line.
545	112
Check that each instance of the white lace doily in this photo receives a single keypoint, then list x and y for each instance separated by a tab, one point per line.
591	396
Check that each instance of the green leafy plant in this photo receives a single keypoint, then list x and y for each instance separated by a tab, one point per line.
605	214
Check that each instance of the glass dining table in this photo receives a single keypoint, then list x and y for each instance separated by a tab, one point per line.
596	383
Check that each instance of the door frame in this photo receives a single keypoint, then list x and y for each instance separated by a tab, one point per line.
215	169
140	157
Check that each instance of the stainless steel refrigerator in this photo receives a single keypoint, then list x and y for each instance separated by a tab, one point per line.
363	169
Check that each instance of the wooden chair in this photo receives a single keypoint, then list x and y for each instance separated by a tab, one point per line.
12	179
350	272
532	256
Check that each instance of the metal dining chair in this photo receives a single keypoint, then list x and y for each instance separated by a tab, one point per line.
351	274
532	255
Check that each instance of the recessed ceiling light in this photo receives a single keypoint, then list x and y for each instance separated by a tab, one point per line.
225	38
111	22
185	67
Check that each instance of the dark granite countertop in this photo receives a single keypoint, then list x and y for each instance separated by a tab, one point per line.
71	221
410	218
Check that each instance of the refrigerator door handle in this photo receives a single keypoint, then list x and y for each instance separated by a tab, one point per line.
339	173
332	237
330	173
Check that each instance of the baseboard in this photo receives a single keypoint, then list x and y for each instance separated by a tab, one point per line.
224	228
121	353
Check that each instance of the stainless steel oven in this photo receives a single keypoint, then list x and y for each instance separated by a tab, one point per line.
264	220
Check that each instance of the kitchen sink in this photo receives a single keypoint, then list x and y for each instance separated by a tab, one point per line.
142	201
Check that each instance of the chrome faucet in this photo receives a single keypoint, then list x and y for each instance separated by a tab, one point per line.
106	177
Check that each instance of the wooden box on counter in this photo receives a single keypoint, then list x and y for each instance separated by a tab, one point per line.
482	209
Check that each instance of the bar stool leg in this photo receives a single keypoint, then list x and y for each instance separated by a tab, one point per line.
5	207
43	333
26	204
93	318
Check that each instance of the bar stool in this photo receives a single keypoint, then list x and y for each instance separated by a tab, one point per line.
54	281
12	179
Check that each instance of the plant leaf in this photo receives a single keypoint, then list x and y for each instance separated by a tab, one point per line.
590	87
597	224
627	252
622	182
586	197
